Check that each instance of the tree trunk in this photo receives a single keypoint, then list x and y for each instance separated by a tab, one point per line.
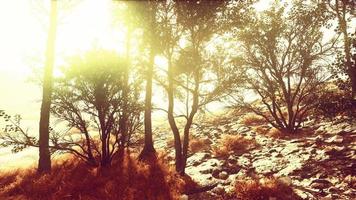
125	92
44	163
148	148
172	122
351	71
105	156
189	123
91	158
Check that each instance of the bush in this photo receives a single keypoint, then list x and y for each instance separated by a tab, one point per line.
253	120
199	144
264	189
336	102
236	144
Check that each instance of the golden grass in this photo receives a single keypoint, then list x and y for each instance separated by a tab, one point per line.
253	120
126	179
264	189
275	133
235	144
199	144
261	130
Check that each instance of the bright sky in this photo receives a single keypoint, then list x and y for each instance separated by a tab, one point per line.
23	34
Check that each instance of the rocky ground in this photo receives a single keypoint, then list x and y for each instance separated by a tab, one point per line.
320	164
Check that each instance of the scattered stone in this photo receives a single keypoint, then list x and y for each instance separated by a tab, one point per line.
219	189
334	150
286	180
183	197
320	184
223	175
335	139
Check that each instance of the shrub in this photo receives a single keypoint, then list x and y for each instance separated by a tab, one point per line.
261	130
264	189
199	144
236	144
336	102
253	120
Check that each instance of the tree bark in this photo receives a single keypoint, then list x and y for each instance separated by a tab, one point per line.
172	122
44	163
189	123
148	149
125	92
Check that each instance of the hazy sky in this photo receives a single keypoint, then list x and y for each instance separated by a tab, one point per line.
23	28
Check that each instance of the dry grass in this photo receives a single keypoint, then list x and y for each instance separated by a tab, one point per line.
199	144
261	130
235	144
253	120
264	189
170	141
301	133
125	179
275	133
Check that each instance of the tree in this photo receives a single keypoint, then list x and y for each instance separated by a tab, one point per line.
88	98
187	70
282	61
91	96
44	163
148	12
343	11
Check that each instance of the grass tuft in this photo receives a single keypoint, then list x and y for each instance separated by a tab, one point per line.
235	144
253	120
264	189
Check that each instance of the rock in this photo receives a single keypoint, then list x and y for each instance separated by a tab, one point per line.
286	180
220	190
301	194
215	173
232	159
334	150
197	158
333	190
313	151
326	198
318	139
321	175
335	139
320	184
290	148
233	169
184	197
223	175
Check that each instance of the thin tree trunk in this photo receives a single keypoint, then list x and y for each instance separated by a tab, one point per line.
125	92
44	163
172	122
91	158
148	149
105	157
189	123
